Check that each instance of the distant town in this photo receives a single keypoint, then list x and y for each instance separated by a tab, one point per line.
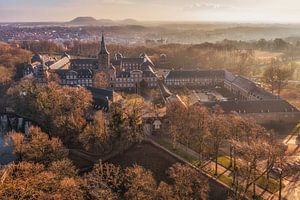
133	32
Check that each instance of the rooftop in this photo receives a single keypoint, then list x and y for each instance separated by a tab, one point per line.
264	106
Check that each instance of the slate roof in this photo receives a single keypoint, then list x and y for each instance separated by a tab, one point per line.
84	72
143	60
263	94
66	55
81	73
36	58
195	73
133	60
61	72
250	87
264	106
101	93
101	97
116	62
229	76
244	83
90	61
148	74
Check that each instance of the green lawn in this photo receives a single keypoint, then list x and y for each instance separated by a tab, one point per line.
225	162
225	179
272	185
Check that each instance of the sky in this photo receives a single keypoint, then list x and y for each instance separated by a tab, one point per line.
265	11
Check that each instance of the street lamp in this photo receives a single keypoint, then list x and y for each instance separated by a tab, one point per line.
279	171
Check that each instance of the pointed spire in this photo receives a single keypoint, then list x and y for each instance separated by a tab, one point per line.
103	49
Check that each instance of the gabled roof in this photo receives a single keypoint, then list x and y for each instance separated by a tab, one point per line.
101	97
195	74
244	83
81	73
116	62
84	72
244	107
37	58
101	93
84	61
148	74
263	94
60	63
132	60
229	76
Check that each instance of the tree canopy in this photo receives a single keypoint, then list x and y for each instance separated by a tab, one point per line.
60	111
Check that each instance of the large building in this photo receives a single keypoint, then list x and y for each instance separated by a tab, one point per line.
240	86
194	78
250	99
118	72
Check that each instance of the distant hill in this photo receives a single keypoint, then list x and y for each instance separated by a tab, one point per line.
101	22
83	20
105	22
129	21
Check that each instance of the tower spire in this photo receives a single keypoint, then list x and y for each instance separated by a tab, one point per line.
103	57
103	49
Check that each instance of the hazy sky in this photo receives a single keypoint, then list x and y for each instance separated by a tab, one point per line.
165	10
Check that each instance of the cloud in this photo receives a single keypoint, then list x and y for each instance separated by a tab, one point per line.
205	5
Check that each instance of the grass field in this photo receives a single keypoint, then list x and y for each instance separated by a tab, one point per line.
270	185
266	55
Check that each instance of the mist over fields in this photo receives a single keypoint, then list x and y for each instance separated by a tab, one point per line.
183	32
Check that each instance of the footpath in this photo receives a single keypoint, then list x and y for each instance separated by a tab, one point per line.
222	171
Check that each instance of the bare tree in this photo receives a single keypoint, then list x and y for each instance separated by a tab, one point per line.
219	132
39	148
95	136
188	183
135	108
276	76
140	184
201	120
176	113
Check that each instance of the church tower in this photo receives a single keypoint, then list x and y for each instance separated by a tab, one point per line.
104	76
103	56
